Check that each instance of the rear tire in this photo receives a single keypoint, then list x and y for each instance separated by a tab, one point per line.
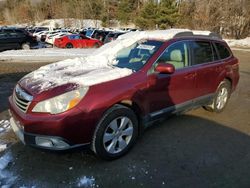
221	97
116	133
69	45
96	45
25	46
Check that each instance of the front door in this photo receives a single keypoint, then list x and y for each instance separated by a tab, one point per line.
171	92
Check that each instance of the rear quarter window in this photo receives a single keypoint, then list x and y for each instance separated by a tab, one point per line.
223	51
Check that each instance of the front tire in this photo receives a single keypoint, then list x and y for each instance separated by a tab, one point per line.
221	97
116	133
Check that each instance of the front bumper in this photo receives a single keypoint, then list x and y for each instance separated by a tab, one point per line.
42	141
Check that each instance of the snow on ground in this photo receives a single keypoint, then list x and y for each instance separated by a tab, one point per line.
68	22
87	182
242	43
4	127
43	54
71	22
7	179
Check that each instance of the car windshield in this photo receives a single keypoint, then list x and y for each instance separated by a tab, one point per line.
136	56
89	33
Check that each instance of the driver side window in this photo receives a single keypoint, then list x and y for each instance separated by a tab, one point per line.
176	54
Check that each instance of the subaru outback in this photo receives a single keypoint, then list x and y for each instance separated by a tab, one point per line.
105	100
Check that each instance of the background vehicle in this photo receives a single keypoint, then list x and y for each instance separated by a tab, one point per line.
112	36
97	34
12	38
51	38
106	106
76	41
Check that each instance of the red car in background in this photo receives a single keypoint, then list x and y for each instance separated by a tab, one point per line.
77	41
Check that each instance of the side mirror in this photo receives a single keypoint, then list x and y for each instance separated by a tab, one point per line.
165	68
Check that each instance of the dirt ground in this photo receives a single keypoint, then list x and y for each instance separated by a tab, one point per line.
197	149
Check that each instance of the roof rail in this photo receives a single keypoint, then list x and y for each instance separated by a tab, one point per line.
205	34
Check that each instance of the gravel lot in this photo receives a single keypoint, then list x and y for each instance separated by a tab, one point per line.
197	149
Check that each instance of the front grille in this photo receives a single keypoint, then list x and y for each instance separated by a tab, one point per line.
21	99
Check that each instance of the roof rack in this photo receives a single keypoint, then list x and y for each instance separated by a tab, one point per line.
206	34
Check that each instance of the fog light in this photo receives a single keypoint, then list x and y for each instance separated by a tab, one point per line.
55	143
44	142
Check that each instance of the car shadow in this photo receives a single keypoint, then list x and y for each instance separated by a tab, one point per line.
183	151
7	84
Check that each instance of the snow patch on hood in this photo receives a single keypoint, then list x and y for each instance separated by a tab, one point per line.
94	68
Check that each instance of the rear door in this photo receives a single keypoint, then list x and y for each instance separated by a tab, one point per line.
208	67
171	92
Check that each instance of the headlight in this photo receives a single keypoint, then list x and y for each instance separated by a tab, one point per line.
61	103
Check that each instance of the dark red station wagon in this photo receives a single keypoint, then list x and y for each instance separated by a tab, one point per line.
106	100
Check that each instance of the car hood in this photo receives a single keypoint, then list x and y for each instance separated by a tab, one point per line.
77	72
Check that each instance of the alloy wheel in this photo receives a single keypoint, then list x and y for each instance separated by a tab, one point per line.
118	135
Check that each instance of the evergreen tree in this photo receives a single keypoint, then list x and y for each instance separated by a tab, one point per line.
148	16
167	15
125	8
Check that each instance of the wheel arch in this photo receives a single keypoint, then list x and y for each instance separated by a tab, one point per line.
137	110
69	43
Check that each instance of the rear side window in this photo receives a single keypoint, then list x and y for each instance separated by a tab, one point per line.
3	35
20	33
223	51
202	52
74	37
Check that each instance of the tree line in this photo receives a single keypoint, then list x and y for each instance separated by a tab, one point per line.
230	18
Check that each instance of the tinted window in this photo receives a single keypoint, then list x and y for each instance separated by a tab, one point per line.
3	35
13	34
223	51
20	33
176	54
111	35
202	52
216	56
89	33
74	37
